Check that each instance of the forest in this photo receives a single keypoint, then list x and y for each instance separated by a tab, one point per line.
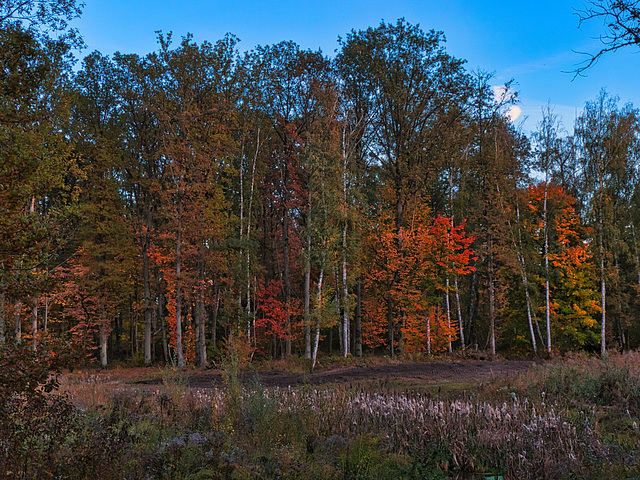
380	200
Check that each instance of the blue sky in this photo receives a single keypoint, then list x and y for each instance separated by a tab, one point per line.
534	43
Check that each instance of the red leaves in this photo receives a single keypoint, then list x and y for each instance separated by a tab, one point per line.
275	311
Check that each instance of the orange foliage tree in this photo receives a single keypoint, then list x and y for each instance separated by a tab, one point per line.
406	280
574	298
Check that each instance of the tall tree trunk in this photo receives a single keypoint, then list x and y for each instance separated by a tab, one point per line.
472	298
307	285
179	352
358	319
214	320
34	299
3	321
492	310
401	337
455	278
337	297
546	261
400	245
635	247
316	340
146	280
160	315
345	294
45	320
525	283
429	333
519	250
200	330
248	300
17	317
250	323
448	305
390	323
603	286
619	327
287	273
307	295
330	340
104	338
34	324
459	310
241	175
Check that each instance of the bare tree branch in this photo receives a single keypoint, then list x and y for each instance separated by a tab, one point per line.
621	21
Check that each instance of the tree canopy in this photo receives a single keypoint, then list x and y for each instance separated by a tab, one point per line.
155	206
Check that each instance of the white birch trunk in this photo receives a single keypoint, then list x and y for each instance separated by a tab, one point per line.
546	261
316	341
345	292
603	286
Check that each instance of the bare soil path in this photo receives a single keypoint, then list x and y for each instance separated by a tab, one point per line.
435	372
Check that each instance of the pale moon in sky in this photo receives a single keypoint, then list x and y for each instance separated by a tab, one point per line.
514	112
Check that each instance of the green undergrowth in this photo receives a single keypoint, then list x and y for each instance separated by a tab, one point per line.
575	418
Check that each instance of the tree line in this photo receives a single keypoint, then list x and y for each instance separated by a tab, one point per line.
158	206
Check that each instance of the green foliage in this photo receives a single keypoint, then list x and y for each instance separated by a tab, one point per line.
50	15
365	458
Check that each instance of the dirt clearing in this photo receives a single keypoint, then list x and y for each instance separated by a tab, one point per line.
431	373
